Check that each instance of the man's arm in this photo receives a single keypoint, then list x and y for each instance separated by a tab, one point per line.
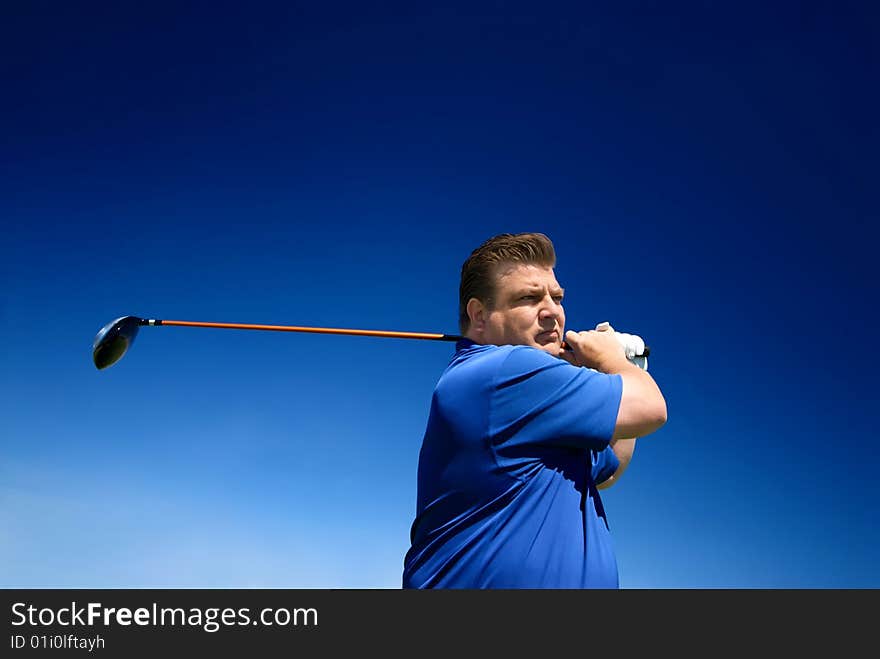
623	449
642	406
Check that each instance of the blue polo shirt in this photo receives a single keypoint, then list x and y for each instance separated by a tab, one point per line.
515	443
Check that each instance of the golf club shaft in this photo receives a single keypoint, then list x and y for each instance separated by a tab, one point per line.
314	330
318	330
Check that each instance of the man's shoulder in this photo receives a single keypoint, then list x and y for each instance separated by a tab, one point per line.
490	357
493	351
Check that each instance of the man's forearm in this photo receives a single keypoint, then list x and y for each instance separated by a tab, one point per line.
642	405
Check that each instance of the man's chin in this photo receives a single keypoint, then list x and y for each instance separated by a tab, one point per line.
551	348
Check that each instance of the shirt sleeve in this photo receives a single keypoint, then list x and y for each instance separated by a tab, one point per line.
541	399
605	463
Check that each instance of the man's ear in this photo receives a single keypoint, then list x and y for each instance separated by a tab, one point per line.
476	312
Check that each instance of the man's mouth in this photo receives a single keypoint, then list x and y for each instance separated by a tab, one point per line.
550	336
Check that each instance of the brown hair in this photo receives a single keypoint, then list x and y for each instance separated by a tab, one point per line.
478	274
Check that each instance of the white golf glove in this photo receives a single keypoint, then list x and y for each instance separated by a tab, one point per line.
633	346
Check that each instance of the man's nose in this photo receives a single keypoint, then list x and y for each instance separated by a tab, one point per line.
550	308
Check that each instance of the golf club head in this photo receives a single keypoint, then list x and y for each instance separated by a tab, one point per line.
114	339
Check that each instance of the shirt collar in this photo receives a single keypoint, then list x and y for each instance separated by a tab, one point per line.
464	343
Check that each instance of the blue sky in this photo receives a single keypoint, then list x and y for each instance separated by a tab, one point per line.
706	171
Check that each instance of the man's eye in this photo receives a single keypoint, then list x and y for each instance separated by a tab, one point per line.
527	297
558	299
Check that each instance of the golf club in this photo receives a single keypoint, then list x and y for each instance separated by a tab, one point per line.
117	336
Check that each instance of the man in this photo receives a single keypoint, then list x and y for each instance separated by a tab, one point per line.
519	435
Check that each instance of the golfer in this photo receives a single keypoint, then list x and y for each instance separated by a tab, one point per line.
521	434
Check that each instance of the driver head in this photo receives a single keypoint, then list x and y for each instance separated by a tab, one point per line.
113	340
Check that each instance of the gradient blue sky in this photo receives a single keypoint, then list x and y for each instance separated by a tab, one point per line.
707	171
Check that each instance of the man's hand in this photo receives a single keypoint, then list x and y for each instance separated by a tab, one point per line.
598	349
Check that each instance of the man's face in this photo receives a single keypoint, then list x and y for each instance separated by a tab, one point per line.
527	308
